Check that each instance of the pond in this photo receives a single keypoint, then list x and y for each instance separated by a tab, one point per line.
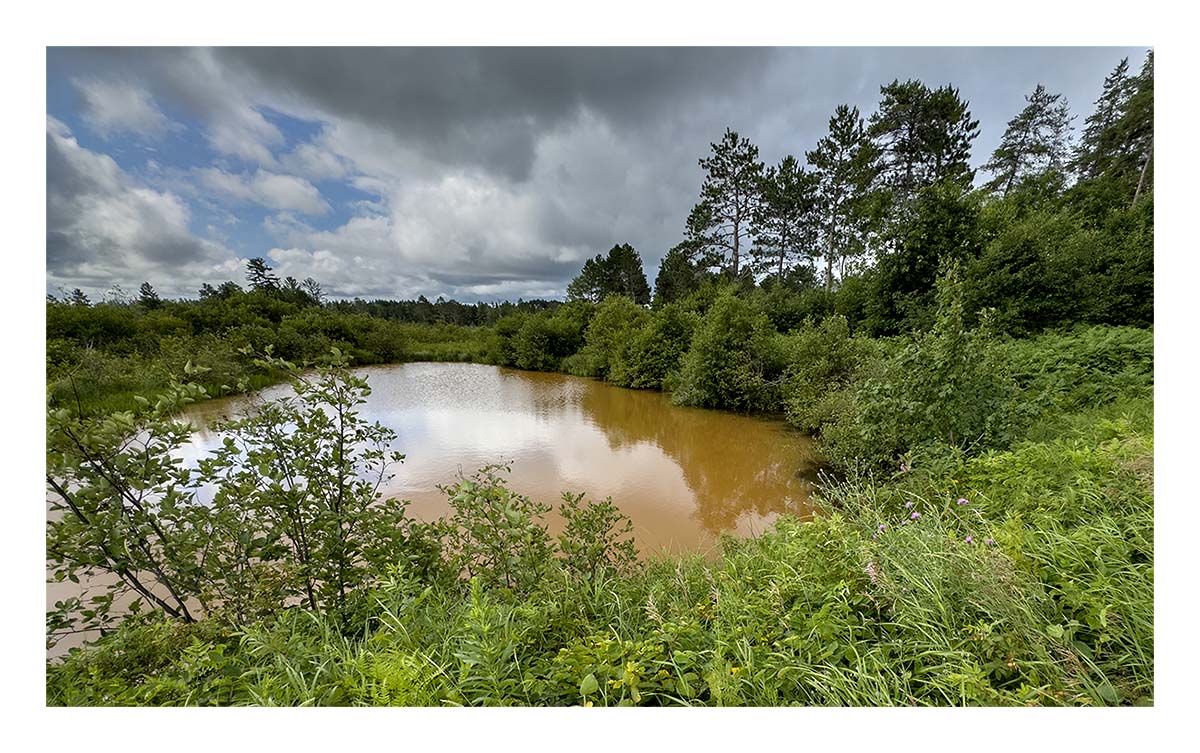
682	475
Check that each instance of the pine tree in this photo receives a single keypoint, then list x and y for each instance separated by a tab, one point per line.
1137	127
148	297
786	223
258	274
723	220
925	136
948	134
313	288
617	273
678	274
846	165
1035	141
1095	150
78	298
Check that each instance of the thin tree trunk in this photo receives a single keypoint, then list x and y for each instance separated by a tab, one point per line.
1142	177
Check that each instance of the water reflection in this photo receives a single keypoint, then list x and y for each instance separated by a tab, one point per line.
681	474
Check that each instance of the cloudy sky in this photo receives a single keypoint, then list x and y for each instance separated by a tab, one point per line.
478	174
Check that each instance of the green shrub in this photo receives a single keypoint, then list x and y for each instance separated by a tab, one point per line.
824	361
734	360
656	350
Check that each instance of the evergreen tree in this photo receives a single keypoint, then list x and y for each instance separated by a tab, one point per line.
729	197
258	274
78	298
617	273
625	274
1137	127
925	136
678	274
845	165
1095	149
1035	142
207	291
313	288
228	289
949	133
148	297
786	223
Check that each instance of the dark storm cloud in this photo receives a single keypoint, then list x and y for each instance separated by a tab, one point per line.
489	105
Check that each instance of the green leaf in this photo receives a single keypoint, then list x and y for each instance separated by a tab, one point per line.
589	685
1108	694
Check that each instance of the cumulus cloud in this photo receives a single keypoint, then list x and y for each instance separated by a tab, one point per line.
112	107
315	162
103	227
271	190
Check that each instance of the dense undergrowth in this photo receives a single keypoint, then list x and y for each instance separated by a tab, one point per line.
996	556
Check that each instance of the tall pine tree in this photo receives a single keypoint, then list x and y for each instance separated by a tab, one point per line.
1096	150
925	136
723	220
786	224
846	164
1037	140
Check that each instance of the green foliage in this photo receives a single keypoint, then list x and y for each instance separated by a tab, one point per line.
734	361
608	339
824	362
943	229
617	273
948	386
1046	270
120	505
300	476
656	351
496	535
597	539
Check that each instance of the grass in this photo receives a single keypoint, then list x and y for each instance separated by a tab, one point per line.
829	612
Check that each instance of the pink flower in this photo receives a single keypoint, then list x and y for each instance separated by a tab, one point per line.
967	539
909	503
962	500
882	526
990	542
916	515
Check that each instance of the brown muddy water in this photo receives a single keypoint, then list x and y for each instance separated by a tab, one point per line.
682	475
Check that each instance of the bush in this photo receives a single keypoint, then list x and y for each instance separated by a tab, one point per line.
948	386
609	334
656	350
824	361
734	360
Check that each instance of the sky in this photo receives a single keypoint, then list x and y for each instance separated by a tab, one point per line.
469	173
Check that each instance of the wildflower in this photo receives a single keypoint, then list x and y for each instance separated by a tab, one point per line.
870	571
904	467
916	515
990	542
734	670
909	503
882	526
967	540
962	500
